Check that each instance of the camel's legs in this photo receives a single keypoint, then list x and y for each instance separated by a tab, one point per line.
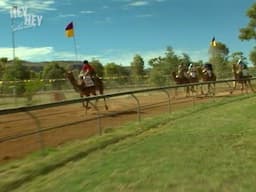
187	91
211	88
105	103
253	90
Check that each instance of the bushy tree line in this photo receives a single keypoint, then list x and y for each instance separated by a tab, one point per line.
157	73
248	33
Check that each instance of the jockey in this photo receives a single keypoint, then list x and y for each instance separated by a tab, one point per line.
240	65
192	70
244	70
239	62
87	74
182	71
87	69
208	69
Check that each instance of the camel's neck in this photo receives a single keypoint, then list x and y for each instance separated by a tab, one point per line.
73	81
235	71
203	74
181	73
200	72
174	75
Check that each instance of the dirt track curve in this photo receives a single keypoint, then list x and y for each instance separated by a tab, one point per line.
71	122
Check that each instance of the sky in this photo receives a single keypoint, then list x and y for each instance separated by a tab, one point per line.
117	30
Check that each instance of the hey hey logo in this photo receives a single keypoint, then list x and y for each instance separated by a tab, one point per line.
21	19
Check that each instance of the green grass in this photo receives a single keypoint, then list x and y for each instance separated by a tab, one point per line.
210	147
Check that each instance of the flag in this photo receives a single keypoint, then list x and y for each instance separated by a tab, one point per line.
213	42
69	30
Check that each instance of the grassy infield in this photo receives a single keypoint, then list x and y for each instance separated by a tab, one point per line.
210	147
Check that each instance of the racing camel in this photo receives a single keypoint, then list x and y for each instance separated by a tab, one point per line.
185	77
86	90
207	75
181	79
241	76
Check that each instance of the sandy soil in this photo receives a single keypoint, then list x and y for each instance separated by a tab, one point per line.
71	122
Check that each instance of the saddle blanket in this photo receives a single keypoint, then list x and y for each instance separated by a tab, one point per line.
88	81
193	74
245	73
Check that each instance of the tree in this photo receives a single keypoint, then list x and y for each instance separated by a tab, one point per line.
16	71
31	88
114	70
162	67
97	65
54	72
249	31
199	63
111	70
116	73
218	55
137	68
3	62
185	59
236	56
253	56
155	74
171	60
219	50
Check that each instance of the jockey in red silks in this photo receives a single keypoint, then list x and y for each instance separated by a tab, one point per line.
88	74
87	69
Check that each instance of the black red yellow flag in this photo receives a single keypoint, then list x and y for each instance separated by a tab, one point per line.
69	30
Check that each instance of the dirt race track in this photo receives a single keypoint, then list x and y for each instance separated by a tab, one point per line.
69	122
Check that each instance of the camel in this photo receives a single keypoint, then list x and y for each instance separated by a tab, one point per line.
180	79
183	77
80	86
187	75
206	77
193	77
241	78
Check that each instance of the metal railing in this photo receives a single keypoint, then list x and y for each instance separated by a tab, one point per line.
40	130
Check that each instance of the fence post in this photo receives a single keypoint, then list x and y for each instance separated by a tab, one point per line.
138	107
169	100
38	126
98	117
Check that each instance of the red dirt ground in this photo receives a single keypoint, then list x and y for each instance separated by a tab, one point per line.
74	118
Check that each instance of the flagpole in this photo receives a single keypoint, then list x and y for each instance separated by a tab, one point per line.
13	35
13	45
70	32
75	48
